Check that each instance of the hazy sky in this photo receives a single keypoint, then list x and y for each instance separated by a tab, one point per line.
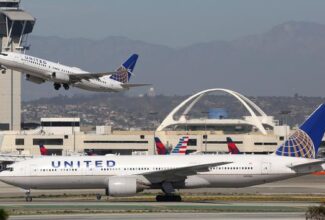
170	22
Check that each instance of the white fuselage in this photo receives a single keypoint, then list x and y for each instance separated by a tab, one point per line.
42	69
93	172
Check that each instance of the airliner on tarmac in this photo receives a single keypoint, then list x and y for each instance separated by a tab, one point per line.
39	71
127	175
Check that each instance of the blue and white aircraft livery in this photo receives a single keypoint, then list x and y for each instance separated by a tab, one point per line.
39	71
127	175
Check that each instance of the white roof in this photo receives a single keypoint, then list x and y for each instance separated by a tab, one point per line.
60	119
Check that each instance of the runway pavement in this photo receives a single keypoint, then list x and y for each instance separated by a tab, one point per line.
112	209
169	216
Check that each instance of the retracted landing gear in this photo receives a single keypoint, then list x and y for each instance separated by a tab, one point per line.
168	198
28	197
57	86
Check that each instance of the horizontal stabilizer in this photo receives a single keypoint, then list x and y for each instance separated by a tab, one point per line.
129	85
305	165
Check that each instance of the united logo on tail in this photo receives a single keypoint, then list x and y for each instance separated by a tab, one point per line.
306	140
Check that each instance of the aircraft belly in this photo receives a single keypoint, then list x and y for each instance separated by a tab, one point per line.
87	85
59	182
230	181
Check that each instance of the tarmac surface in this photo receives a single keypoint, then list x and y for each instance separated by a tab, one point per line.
169	216
11	198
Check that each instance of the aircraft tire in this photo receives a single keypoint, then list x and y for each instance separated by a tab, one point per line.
98	197
29	199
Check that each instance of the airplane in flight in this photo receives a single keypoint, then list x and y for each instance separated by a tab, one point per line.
180	148
127	175
39	71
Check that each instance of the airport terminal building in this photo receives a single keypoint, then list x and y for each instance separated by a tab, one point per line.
256	133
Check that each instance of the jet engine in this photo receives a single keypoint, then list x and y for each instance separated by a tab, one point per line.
60	77
123	186
34	79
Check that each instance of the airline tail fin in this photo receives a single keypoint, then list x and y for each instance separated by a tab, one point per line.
181	147
232	148
125	71
306	141
43	150
161	149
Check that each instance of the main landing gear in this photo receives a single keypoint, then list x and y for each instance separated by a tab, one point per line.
66	86
57	86
169	196
28	197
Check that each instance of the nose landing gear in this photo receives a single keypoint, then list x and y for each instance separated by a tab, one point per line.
28	197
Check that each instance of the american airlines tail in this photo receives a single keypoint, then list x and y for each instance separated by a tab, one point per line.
306	141
180	148
125	71
232	148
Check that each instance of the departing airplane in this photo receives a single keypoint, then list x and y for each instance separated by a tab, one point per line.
39	71
127	175
180	148
232	148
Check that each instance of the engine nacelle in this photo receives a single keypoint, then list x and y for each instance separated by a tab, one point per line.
34	79
122	186
60	77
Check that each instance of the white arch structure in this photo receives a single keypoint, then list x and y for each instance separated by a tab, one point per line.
251	107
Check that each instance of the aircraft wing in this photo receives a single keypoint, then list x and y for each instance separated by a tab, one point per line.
179	173
129	85
80	76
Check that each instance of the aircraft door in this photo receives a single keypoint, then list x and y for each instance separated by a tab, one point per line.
266	167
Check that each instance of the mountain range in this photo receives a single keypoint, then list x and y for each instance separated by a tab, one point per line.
286	60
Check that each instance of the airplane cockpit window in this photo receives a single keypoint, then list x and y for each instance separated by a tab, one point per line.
3	54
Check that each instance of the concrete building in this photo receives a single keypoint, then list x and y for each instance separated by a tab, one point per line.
15	24
256	133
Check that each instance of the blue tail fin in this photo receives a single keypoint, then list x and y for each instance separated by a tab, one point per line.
126	70
306	141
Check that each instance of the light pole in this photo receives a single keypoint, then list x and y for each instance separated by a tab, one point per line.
153	114
285	114
205	130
